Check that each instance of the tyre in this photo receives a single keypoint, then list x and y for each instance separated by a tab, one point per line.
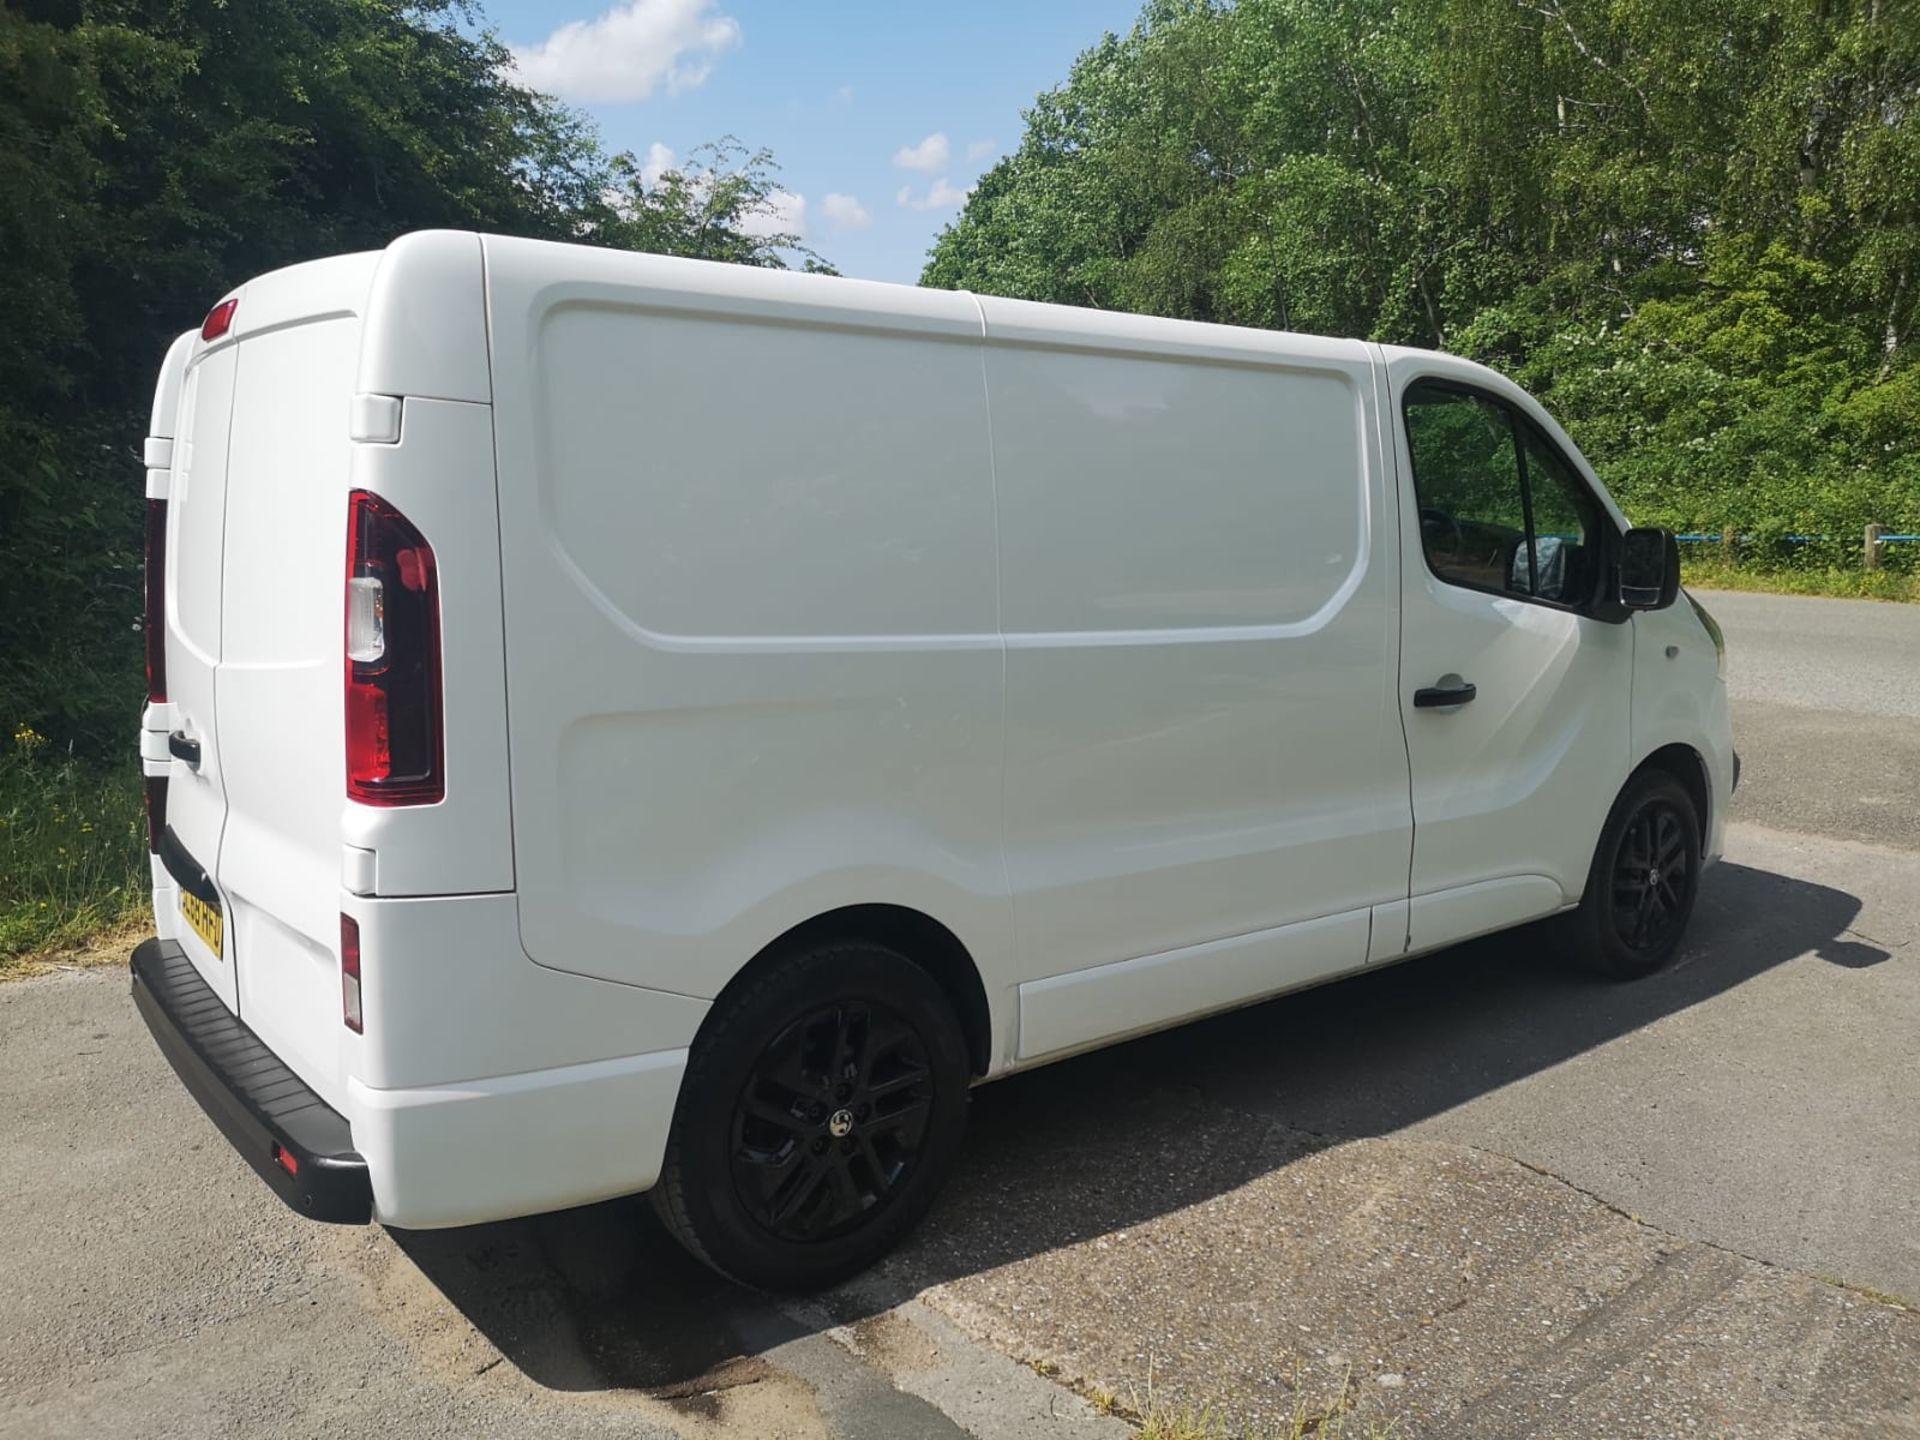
1645	877
822	1109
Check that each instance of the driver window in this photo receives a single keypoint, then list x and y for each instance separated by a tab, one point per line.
1564	517
1466	474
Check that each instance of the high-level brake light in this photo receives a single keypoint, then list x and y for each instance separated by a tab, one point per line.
219	319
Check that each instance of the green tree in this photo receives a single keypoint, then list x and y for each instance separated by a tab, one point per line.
154	153
1693	228
722	204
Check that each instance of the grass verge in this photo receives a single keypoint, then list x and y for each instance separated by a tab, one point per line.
72	856
1837	584
1333	1418
1210	1424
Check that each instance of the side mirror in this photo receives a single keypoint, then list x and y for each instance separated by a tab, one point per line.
1649	568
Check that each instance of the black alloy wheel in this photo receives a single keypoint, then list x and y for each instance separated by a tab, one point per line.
831	1120
1645	879
822	1108
1653	876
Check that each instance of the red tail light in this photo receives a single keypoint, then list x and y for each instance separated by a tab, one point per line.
395	729
155	624
156	810
350	974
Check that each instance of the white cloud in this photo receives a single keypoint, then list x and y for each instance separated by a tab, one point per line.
980	149
844	95
786	214
943	194
659	159
929	155
629	52
846	212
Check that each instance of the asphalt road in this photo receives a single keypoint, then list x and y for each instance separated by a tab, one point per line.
1758	1098
1826	697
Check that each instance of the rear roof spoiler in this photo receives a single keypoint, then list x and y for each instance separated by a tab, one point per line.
425	331
166	409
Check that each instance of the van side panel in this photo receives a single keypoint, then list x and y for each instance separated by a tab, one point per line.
748	561
1202	740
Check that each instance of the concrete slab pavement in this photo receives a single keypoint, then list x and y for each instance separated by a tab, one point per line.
1446	1292
1583	1213
1243	1211
151	1286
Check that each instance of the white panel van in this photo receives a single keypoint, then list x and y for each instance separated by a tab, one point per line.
622	723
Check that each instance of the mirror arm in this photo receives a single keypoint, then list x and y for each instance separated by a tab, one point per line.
1605	605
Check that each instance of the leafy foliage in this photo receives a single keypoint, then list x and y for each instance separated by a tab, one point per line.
154	153
723	204
1693	229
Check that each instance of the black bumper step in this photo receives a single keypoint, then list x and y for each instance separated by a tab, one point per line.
260	1105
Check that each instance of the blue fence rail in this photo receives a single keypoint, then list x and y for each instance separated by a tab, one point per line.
1795	539
1872	539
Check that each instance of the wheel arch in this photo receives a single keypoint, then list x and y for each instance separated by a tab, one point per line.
914	934
1684	763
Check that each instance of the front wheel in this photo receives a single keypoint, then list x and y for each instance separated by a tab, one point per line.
1645	878
820	1112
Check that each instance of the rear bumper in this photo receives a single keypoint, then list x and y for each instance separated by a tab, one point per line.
517	1144
262	1107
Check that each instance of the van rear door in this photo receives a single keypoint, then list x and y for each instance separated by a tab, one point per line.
280	672
196	795
257	500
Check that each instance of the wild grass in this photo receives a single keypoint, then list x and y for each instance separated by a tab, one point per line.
72	850
1332	1418
1212	1423
1840	583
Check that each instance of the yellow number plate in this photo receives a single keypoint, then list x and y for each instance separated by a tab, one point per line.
204	918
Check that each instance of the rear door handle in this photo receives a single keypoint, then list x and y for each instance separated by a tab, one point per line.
186	749
1444	696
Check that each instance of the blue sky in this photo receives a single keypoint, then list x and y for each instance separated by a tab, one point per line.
880	115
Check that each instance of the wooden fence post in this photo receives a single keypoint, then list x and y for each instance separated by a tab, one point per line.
1870	555
1729	545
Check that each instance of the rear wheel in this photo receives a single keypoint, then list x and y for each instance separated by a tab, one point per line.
1645	877
821	1111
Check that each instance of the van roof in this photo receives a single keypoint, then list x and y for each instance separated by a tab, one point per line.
423	296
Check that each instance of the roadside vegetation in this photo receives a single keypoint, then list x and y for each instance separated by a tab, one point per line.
72	850
1333	1417
153	154
1834	581
1693	232
1335	1420
159	152
1213	1425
